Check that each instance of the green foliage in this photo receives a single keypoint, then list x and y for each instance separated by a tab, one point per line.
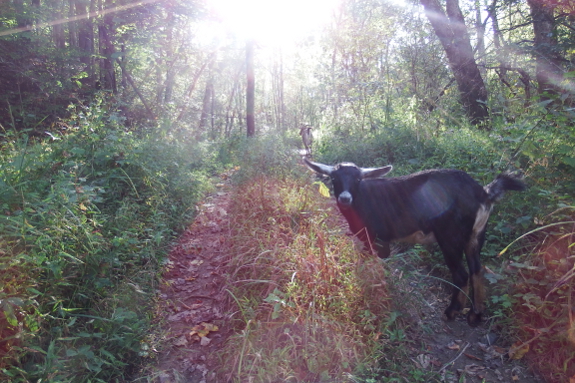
539	305
85	220
273	155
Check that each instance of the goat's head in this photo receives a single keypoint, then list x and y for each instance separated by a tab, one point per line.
346	178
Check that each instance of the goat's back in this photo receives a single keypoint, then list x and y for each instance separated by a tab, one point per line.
396	207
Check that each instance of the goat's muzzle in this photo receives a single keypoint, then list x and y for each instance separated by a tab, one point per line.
345	199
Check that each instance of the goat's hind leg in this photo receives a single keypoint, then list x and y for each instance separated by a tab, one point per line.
460	288
453	254
472	253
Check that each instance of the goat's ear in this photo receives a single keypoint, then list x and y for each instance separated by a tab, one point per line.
375	172
319	168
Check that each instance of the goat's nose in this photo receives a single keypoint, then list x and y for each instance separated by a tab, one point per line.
345	198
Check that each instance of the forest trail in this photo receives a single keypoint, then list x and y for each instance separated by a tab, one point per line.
193	295
194	300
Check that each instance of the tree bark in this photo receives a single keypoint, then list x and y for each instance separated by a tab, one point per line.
449	26
549	72
85	40
170	59
250	89
206	106
107	50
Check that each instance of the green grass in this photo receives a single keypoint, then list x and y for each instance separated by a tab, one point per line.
85	221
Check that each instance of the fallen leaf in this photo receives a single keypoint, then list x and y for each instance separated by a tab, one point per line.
518	350
500	350
470	356
453	346
436	362
472	369
203	329
423	361
515	378
204	341
181	341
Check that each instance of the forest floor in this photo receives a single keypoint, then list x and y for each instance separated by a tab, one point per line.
194	304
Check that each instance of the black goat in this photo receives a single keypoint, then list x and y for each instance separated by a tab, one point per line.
444	206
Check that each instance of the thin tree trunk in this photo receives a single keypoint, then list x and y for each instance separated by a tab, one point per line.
140	95
170	72
250	89
192	86
206	106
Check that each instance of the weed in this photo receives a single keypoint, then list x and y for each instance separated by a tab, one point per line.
542	301
305	313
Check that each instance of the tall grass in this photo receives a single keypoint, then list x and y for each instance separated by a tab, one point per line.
306	307
85	219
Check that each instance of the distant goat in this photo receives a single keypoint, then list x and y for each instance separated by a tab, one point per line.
444	206
307	138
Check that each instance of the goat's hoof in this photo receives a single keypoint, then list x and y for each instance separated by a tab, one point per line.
473	318
451	313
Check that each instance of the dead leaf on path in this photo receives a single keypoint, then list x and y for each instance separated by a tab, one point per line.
470	356
196	262
472	369
515	378
436	362
453	346
181	341
204	341
499	350
518	350
203	329
422	361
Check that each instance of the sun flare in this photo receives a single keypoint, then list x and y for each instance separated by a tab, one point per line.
272	22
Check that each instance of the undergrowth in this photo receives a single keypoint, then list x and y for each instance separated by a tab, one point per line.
85	218
306	309
541	300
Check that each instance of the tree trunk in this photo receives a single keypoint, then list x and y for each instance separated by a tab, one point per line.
449	26
72	28
170	59
250	89
107	50
206	106
549	72
58	28
85	41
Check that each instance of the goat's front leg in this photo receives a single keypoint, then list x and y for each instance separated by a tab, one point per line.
382	248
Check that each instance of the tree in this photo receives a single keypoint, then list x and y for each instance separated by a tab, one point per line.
250	89
549	71
449	26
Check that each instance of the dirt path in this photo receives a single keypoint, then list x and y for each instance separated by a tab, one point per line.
460	353
194	300
193	296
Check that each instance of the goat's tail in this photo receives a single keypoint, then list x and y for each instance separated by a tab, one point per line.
505	181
